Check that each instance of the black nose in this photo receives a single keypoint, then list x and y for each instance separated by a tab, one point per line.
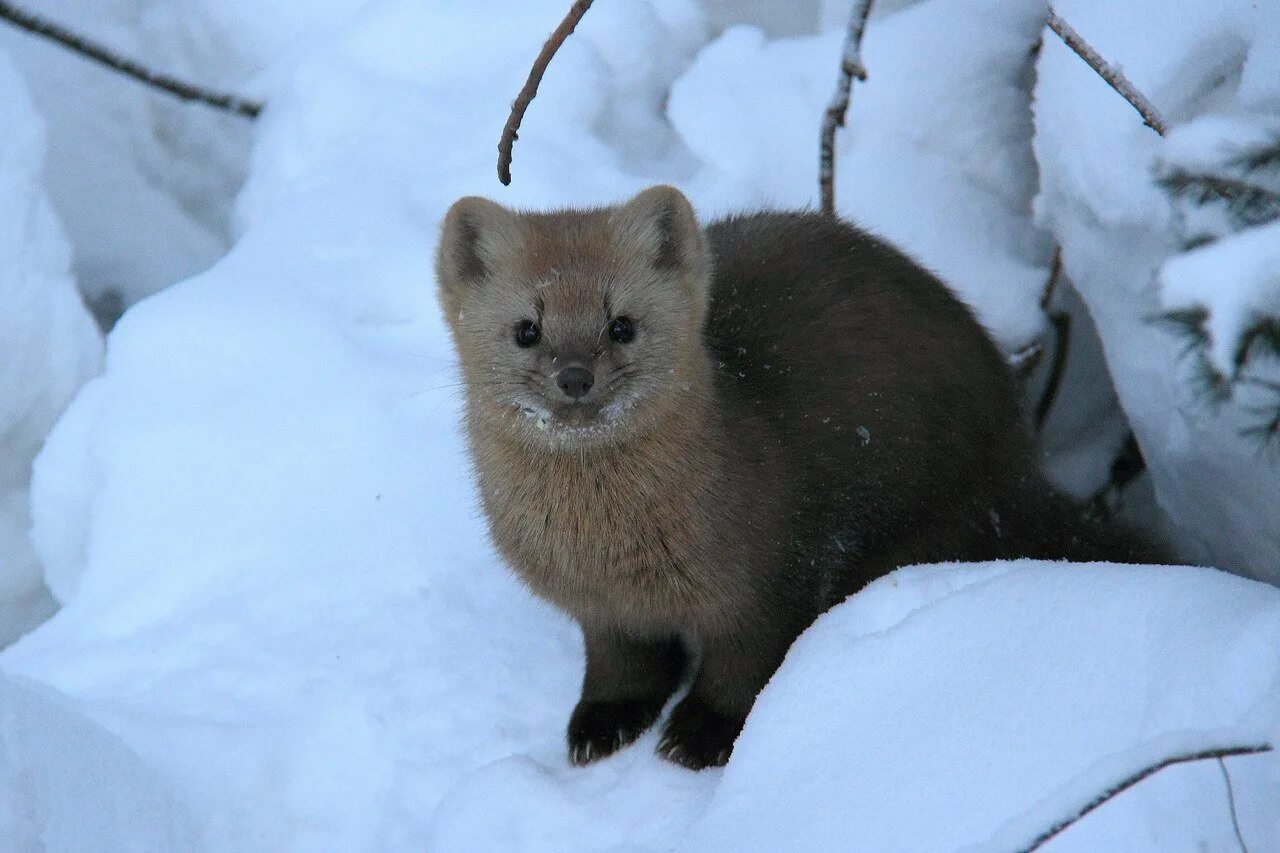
575	381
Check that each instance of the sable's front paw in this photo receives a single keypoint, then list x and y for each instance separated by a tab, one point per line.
599	729
698	737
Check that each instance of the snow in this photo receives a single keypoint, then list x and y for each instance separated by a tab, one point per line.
106	156
115	145
48	344
936	156
1121	237
1235	279
282	626
1239	276
996	697
384	716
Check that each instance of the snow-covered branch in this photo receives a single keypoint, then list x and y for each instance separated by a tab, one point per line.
103	55
1222	173
511	130
1114	76
850	67
1129	782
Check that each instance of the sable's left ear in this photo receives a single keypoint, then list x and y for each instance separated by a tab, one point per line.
661	223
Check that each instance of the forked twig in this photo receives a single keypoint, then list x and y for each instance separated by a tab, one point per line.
511	130
1128	783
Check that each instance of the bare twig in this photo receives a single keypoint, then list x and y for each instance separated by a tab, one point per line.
850	66
1061	322
1051	285
1128	783
1114	76
37	25
511	130
1231	802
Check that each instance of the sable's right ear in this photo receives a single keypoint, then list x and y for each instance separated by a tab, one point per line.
661	223
474	232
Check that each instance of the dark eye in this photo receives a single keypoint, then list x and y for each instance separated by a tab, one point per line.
527	333
622	330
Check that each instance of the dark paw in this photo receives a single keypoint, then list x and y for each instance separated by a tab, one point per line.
599	729
698	737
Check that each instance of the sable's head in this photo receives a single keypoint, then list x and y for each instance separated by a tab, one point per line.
576	328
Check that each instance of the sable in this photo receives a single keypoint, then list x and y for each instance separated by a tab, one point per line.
709	437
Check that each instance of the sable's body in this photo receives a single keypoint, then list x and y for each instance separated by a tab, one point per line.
815	412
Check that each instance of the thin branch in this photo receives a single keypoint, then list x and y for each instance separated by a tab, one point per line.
850	66
511	130
1231	802
37	25
1061	321
1114	76
1128	783
1051	285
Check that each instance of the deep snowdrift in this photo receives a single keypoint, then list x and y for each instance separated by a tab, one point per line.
283	627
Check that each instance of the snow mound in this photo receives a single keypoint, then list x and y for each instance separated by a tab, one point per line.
67	758
108	154
118	145
996	700
48	343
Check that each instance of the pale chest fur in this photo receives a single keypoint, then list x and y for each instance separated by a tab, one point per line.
623	534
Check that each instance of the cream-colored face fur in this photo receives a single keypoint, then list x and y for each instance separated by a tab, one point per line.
619	293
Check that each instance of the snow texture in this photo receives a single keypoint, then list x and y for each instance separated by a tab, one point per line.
283	627
48	344
1235	278
115	145
1238	276
997	698
1098	165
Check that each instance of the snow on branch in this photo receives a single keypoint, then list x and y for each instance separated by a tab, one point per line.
1127	783
1130	461
1114	76
103	55
511	130
1222	292
1227	164
850	67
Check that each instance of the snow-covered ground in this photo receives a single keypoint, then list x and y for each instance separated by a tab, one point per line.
282	627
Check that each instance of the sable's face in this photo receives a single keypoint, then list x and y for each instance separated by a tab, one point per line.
575	329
